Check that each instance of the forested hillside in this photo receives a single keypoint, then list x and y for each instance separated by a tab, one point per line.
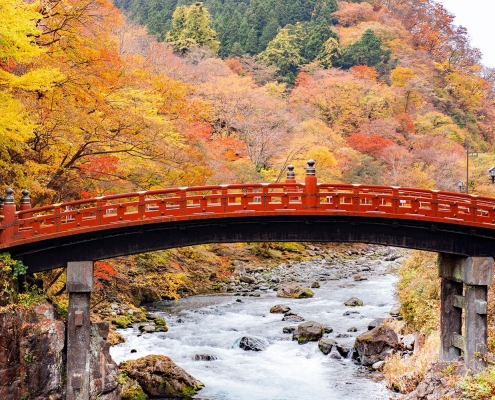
242	26
381	92
94	105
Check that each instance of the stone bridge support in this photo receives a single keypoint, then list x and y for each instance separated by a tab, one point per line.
79	285
464	289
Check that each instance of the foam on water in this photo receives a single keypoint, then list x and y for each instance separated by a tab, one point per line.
285	370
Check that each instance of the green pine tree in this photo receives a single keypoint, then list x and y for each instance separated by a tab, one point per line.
367	51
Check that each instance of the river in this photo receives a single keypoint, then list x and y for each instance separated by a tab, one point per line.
214	324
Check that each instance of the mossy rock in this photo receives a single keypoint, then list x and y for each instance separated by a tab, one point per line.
122	321
131	389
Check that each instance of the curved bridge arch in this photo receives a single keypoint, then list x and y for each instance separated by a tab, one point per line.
49	237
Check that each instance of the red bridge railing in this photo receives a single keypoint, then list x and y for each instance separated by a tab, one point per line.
223	201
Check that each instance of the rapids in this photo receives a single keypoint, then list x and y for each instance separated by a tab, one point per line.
214	324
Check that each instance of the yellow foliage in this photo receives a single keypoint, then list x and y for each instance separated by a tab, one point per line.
17	30
401	75
165	284
275	89
418	291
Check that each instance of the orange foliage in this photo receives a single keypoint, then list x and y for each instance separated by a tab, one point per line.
99	166
353	13
303	79
406	122
372	145
235	65
104	270
364	72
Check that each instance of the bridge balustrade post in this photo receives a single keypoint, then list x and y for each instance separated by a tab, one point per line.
9	216
79	286
291	178
25	205
310	193
476	273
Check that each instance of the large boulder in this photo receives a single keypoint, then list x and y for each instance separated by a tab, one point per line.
159	376
309	332
375	345
294	291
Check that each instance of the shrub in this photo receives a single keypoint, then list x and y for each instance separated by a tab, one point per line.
480	386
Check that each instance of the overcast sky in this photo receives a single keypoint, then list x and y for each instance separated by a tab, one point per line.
478	16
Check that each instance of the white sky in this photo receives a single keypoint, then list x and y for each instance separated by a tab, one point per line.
478	16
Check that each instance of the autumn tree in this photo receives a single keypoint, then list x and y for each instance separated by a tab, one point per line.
191	27
367	51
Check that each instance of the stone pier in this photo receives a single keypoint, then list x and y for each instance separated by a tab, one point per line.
465	283
79	286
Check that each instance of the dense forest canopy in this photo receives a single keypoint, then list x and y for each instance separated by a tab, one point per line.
377	91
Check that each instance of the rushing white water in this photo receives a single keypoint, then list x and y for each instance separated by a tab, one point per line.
285	370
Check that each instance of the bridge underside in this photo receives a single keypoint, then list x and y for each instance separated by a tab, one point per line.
444	238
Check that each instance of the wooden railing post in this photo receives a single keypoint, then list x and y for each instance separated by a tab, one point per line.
25	205
9	216
291	178
310	193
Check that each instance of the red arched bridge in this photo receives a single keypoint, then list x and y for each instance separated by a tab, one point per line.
109	226
460	227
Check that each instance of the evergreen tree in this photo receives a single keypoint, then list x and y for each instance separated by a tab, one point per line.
237	50
285	51
314	45
366	51
323	11
269	32
252	42
190	28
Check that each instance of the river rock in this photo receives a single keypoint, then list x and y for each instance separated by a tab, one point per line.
147	328
378	365
247	279
288	329
343	349
249	343
375	345
204	357
395	311
289	313
352	329
159	376
376	322
347	313
353	302
315	285
293	318
294	291
309	332
408	341
326	344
